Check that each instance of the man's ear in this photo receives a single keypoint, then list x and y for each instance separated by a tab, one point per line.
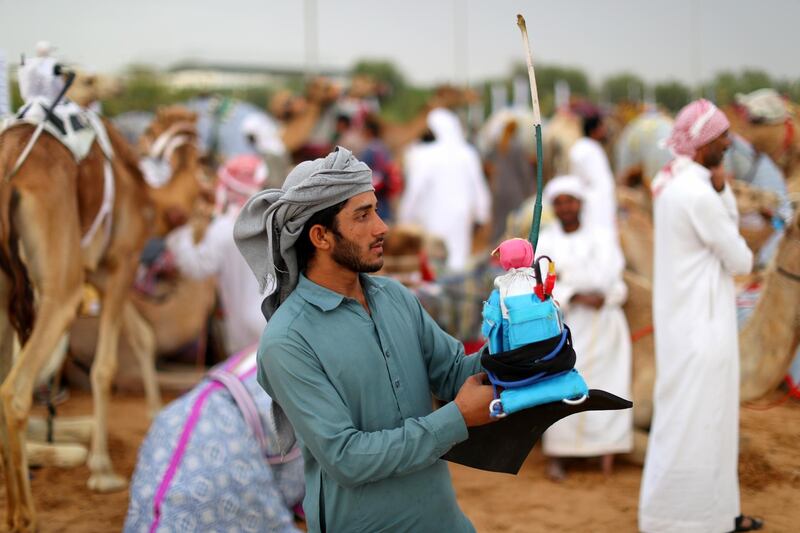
320	237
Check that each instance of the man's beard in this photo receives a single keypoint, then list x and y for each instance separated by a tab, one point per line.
345	254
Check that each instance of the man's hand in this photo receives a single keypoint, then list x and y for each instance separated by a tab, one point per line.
719	176
473	400
595	300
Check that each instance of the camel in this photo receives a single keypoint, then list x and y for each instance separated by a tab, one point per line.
179	315
138	211
780	141
301	116
90	87
767	342
45	208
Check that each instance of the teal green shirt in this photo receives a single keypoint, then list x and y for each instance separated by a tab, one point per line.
357	389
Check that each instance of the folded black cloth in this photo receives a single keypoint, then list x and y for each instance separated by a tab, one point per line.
528	360
504	445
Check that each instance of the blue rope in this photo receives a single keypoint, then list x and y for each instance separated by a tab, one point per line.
532	379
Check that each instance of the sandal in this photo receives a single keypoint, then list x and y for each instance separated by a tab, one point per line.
748	523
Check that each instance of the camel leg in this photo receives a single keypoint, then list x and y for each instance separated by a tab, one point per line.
142	341
104	368
7	349
53	317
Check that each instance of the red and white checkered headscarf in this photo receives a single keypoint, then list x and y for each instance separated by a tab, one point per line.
239	179
697	124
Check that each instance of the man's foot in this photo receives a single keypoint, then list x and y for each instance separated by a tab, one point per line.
748	523
555	470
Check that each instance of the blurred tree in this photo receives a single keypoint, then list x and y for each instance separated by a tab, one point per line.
382	71
672	94
399	100
623	87
725	85
546	78
143	91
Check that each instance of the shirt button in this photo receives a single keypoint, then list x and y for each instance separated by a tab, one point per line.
386	354
397	383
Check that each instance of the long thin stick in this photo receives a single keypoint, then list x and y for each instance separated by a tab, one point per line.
533	236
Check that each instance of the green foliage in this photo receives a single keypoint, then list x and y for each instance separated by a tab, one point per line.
382	71
145	88
672	94
623	87
725	85
401	101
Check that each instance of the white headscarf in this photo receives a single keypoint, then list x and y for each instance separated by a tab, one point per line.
571	185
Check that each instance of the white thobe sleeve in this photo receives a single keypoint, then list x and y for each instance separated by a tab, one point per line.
415	188
711	217
198	260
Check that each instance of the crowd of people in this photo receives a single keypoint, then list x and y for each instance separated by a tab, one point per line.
350	359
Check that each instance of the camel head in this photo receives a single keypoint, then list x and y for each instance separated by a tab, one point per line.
452	97
90	87
284	105
170	161
780	140
364	86
322	91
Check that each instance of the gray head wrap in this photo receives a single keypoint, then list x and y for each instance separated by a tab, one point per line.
272	220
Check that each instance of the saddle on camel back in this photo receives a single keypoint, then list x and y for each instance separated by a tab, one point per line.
75	127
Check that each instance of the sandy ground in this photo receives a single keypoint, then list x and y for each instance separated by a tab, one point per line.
586	501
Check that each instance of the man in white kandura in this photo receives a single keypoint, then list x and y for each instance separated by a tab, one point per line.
204	247
690	482
589	162
591	292
446	191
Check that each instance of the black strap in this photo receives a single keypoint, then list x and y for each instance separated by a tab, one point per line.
526	361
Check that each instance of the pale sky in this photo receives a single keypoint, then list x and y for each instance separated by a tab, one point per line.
689	40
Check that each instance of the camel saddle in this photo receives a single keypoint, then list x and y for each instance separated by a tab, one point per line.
77	128
74	126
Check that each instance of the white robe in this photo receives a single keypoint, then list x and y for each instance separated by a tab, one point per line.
690	481
216	255
446	191
589	161
590	260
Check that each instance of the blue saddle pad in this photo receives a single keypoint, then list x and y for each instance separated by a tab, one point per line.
554	389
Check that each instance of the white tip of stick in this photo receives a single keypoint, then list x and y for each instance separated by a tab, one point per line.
521	22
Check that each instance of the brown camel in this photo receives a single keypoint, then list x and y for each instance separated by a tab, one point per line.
767	342
45	208
780	141
299	115
179	315
172	137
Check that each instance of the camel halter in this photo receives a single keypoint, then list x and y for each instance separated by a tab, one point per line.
161	151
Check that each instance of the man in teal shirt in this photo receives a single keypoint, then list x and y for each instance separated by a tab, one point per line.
353	359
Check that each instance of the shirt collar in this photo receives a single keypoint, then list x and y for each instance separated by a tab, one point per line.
326	299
